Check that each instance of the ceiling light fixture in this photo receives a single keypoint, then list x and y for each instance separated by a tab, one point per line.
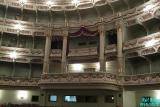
97	66
49	3
75	1
13	55
22	1
151	43
22	95
148	7
77	67
18	26
112	98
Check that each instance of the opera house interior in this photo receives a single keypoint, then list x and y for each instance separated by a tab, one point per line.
79	53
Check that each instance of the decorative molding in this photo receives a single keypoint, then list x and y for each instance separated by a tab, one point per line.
81	80
140	42
18	82
111	48
83	52
142	79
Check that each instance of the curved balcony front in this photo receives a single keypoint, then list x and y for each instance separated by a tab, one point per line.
79	81
142	79
13	82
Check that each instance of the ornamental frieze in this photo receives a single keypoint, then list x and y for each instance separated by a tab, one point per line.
111	48
78	78
29	7
140	42
42	7
130	44
11	81
11	30
100	79
14	4
148	51
157	13
142	79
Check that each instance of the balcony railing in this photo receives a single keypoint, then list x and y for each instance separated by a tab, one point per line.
98	79
141	79
25	52
79	78
83	51
19	81
140	42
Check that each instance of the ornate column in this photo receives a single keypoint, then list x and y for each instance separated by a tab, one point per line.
64	51
47	52
102	48
121	32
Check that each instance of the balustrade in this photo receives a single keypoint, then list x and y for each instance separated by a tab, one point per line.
82	78
142	79
140	42
17	81
79	78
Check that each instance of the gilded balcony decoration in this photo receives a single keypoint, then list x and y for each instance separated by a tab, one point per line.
56	52
143	79
140	42
83	51
51	80
18	82
110	48
81	78
157	13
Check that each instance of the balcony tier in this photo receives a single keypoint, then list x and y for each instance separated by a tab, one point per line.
79	81
131	17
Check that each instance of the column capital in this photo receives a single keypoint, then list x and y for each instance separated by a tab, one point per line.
65	32
121	23
101	28
48	32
